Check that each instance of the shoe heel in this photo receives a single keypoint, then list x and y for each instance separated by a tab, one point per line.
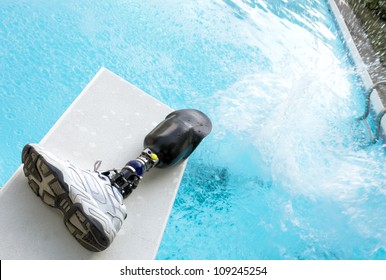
40	177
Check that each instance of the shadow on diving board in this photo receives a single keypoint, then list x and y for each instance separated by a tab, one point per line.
108	121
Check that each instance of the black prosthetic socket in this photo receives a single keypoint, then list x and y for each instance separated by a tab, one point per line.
173	140
176	137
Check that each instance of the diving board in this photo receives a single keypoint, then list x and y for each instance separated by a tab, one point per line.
108	121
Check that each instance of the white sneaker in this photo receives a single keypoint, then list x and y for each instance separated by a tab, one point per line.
93	210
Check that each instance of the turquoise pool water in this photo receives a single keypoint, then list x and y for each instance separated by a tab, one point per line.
286	173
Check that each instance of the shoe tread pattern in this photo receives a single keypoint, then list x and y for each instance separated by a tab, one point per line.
47	185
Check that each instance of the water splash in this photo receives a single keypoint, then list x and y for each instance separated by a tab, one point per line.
302	181
286	172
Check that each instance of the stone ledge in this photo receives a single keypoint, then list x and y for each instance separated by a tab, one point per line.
371	61
367	62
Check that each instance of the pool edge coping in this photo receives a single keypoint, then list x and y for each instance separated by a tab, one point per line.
340	8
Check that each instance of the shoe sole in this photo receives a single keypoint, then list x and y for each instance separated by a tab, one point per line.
46	181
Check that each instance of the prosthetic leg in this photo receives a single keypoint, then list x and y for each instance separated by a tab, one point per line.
173	140
92	201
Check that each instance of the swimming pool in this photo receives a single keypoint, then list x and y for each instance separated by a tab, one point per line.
286	173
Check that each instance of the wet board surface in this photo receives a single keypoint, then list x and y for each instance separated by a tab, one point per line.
107	121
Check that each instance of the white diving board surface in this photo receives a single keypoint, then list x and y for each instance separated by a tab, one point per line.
107	121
